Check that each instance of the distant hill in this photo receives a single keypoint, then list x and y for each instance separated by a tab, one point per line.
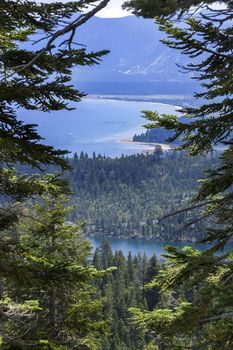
159	135
124	197
136	57
138	63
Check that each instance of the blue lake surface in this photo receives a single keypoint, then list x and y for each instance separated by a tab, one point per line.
135	246
149	247
98	125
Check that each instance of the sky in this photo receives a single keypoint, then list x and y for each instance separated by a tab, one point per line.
113	9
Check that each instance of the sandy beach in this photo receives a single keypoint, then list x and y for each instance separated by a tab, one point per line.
154	100
150	146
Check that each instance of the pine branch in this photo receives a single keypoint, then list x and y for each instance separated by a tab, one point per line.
187	209
228	314
71	27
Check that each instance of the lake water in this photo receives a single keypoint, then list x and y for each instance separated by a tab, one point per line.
135	246
150	247
96	125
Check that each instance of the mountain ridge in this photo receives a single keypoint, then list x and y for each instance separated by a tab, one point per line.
136	56
135	49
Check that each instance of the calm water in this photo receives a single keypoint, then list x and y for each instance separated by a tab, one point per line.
149	247
135	246
96	125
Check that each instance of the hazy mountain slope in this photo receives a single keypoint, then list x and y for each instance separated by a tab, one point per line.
138	63
136	52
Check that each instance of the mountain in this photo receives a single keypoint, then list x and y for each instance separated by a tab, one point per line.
136	57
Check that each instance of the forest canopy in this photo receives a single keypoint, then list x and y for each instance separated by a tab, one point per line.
52	296
202	317
39	250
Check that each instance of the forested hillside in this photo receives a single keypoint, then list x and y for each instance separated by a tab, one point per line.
160	135
125	197
201	318
123	289
47	294
153	135
54	293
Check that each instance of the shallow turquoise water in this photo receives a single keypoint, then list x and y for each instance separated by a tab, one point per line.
95	125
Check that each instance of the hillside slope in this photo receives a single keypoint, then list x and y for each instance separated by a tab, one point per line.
136	57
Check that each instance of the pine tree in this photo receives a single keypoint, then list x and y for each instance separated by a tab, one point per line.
168	8
106	253
119	293
57	279
37	55
131	267
36	79
197	312
97	262
152	294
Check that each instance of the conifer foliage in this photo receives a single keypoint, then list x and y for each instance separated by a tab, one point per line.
56	281
125	196
197	286
122	289
167	8
35	72
37	54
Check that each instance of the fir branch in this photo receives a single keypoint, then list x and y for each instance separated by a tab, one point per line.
71	27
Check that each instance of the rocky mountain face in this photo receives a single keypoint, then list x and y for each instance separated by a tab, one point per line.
138	63
136	53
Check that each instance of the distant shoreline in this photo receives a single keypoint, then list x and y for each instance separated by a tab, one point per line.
160	100
143	147
151	145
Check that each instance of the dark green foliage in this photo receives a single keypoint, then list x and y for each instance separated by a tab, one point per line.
124	289
211	122
197	286
55	280
153	135
37	55
125	197
37	79
165	8
159	135
152	294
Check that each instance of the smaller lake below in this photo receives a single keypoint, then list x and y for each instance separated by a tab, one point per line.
135	246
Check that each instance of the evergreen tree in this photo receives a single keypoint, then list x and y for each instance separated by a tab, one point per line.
97	259
37	55
197	286
36	79
121	290
144	188
106	252
57	279
168	8
152	294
